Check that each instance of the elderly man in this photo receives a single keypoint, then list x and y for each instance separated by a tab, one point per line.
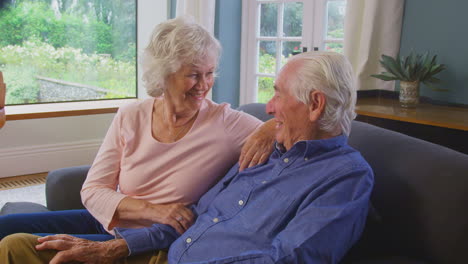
307	204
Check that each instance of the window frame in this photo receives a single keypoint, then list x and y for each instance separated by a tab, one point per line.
313	35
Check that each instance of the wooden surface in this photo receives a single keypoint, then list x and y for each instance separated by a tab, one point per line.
19	112
434	115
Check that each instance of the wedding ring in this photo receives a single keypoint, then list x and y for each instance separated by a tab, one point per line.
179	218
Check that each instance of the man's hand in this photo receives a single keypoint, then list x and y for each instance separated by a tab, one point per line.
258	146
76	249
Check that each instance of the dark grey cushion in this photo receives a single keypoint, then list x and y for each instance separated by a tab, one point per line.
63	188
420	193
257	110
388	260
22	207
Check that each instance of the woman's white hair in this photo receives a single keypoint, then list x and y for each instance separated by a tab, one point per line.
174	43
332	74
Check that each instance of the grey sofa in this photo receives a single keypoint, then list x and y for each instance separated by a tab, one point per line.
418	212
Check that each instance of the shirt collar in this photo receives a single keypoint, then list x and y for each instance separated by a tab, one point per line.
310	148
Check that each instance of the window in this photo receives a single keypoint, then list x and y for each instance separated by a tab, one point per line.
68	50
274	30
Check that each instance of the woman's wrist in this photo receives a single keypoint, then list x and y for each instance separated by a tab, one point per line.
147	211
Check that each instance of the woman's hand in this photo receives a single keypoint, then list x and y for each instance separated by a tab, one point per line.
258	146
176	215
77	249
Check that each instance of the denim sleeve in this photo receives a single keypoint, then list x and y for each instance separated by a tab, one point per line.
140	240
323	229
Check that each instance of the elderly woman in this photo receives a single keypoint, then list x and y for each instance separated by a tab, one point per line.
160	154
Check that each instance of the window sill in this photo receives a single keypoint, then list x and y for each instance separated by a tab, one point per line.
22	112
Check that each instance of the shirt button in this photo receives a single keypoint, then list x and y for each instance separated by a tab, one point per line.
286	160
215	220
188	240
263	182
306	159
241	202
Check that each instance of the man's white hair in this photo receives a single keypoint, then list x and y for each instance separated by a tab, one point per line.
174	43
332	74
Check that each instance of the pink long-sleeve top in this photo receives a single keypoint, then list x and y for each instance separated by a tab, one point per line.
131	162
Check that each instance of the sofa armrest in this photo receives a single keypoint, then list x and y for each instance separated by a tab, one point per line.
63	188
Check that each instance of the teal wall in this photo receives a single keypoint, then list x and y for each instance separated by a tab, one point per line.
440	27
172	8
228	25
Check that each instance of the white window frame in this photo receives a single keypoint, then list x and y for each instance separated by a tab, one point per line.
313	35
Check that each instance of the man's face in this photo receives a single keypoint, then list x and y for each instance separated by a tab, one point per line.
291	115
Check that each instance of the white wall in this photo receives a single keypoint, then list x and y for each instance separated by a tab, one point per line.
40	145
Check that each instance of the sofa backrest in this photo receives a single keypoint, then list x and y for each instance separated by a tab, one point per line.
419	197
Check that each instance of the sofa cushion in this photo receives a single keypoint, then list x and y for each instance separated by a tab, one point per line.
389	260
420	192
63	188
22	207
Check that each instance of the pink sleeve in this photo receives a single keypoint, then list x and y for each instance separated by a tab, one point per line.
99	193
238	126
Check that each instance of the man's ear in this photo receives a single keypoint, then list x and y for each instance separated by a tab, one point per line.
317	104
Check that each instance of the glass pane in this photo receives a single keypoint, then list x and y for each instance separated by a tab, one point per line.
292	19
336	47
290	48
69	52
335	19
267	57
265	89
268	20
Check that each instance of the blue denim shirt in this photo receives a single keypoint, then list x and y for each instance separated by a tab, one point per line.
307	205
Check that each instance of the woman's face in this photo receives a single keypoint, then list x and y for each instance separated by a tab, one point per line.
188	87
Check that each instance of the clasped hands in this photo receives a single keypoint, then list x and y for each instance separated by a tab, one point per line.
71	248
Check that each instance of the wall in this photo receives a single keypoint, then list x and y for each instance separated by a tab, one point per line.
228	31
39	145
440	28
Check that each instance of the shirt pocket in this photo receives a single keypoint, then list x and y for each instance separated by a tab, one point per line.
266	210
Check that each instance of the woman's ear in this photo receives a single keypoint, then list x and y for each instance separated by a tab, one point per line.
316	106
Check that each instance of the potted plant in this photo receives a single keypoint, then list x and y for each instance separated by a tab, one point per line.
410	71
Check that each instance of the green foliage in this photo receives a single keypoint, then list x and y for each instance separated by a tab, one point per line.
22	89
93	28
292	25
337	33
335	16
335	47
66	44
21	64
415	67
266	64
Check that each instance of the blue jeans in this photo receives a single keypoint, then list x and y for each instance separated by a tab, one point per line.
78	223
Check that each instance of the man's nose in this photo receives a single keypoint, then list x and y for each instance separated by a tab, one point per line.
270	108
